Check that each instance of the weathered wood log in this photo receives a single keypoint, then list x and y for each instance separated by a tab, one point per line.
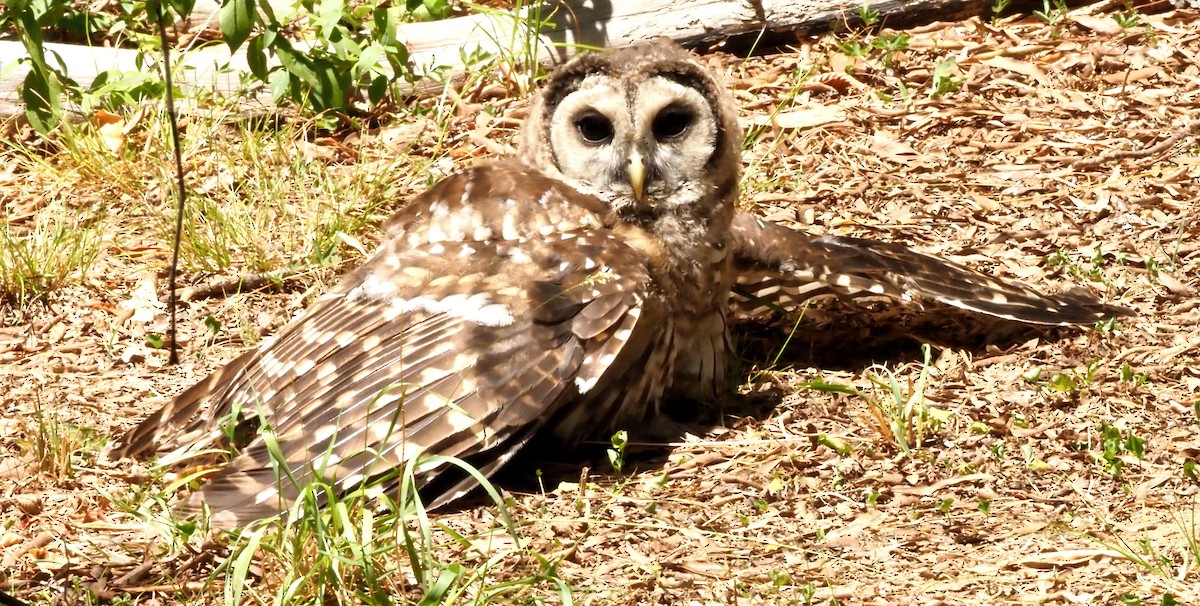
566	25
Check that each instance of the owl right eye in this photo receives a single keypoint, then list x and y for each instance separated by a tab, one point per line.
594	128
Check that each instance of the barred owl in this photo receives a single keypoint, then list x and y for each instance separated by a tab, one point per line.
566	292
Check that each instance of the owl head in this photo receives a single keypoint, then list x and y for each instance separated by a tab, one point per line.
646	129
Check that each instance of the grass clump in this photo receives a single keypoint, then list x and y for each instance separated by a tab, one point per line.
377	546
42	253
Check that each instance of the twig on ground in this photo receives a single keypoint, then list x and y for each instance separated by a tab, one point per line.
227	286
1128	154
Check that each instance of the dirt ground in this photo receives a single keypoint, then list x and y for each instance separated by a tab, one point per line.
1054	465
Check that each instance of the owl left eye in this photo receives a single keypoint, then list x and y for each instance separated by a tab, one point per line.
671	123
594	128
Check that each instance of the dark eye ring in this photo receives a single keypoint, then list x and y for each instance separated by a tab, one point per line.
594	128
671	123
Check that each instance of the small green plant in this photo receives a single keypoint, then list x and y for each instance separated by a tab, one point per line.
868	16
348	48
1062	383
808	592
1114	445
779	578
58	447
1052	14
873	497
891	44
902	416
998	7
1075	382
903	94
1132	378
774	365
838	445
944	79
1061	259
852	47
1032	462
1128	18
616	454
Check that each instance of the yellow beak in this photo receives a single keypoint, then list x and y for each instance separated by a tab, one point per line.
637	175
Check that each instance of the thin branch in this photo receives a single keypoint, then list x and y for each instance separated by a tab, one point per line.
160	15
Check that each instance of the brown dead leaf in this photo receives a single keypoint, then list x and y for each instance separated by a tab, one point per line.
839	81
12	468
1104	24
845	63
1016	66
1177	287
703	567
888	147
809	117
936	487
847	534
402	136
1066	558
111	129
1130	76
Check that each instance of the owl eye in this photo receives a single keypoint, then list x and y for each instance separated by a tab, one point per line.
594	128
671	123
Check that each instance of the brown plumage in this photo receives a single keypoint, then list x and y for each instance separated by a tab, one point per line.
566	293
781	268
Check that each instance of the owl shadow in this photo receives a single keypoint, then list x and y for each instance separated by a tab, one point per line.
834	336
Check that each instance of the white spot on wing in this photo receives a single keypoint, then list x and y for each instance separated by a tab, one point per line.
373	288
439	210
516	255
585	384
472	308
304	366
266	494
509	230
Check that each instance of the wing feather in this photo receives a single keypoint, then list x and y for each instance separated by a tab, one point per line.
779	267
455	347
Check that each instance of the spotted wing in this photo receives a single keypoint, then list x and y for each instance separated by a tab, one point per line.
444	343
780	268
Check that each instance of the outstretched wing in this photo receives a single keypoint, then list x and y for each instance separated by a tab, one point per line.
464	334
777	267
